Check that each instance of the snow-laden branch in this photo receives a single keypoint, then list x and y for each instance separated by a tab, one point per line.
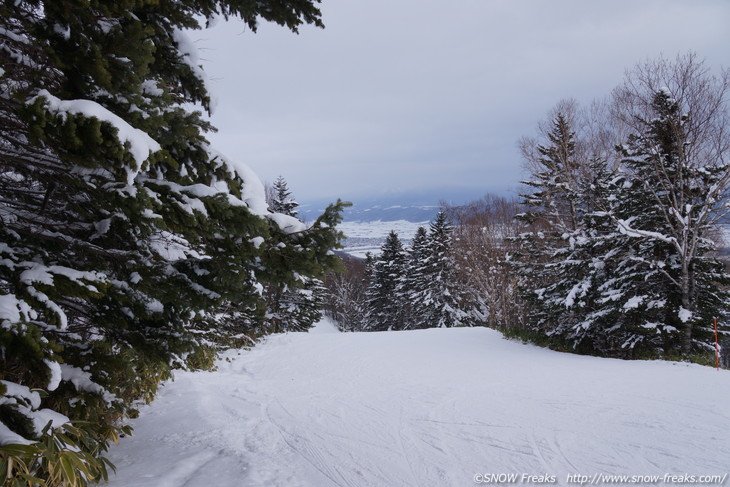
253	194
191	57
624	226
141	145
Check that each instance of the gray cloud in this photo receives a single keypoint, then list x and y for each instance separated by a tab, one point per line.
420	93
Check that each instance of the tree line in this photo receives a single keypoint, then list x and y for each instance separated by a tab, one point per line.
406	289
612	247
445	278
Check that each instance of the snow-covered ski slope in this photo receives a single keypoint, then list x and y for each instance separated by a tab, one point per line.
438	407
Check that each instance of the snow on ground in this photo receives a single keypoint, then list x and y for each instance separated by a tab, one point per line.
364	237
424	408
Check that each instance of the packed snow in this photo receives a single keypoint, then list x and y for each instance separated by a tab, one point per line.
437	407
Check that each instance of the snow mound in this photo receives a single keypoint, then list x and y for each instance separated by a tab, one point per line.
324	326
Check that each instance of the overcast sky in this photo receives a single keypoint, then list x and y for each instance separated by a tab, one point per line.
396	95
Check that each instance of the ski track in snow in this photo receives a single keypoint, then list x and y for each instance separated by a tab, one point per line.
423	408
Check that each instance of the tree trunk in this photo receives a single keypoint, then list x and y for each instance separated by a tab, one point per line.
689	306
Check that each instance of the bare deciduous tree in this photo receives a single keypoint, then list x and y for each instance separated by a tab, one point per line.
484	232
346	303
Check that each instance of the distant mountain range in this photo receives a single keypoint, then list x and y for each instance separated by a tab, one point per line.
414	206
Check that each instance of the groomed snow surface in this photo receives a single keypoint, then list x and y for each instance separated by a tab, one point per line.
425	408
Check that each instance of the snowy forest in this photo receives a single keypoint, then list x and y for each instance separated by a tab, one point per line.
131	248
611	250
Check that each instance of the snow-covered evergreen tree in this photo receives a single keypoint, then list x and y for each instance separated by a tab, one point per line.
634	273
668	285
124	235
572	306
384	305
553	203
297	308
552	216
414	280
282	201
434	299
292	305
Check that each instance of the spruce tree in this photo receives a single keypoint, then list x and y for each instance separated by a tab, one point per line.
553	203
292	304
434	298
282	201
385	308
636	276
124	235
414	281
621	262
573	304
668	284
552	216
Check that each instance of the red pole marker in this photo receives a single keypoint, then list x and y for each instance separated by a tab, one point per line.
717	348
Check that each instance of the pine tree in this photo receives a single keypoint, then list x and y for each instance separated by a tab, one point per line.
385	308
124	235
414	281
282	201
553	204
434	298
552	216
573	305
292	304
